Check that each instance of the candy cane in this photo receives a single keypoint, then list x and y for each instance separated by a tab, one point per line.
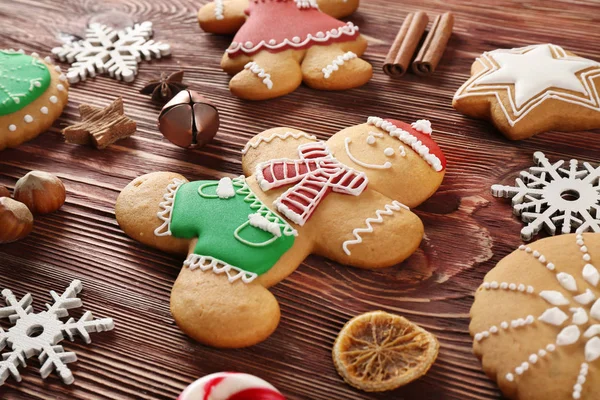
230	386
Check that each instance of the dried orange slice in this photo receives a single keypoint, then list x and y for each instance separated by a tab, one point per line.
378	351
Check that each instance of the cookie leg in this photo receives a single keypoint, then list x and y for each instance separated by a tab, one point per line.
265	76
213	311
223	16
337	66
138	207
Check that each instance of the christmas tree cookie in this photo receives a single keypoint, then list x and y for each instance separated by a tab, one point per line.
346	199
33	93
283	43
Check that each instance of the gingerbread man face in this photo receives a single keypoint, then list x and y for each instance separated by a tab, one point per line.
301	196
283	43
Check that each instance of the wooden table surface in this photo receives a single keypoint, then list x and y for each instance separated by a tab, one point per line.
467	230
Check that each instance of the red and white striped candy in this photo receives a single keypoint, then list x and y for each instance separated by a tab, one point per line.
230	386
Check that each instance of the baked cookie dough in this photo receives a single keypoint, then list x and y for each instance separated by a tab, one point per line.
346	199
536	320
33	93
532	89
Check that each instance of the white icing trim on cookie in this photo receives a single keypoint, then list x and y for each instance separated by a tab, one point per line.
409	140
337	63
166	207
258	221
219	8
29	118
268	139
423	126
248	47
533	96
389	209
554	316
207	263
260	72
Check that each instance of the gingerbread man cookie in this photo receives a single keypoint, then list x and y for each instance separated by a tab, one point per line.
532	89
346	199
33	93
286	42
536	320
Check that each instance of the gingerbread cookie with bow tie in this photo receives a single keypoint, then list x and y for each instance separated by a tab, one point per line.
532	89
346	199
281	43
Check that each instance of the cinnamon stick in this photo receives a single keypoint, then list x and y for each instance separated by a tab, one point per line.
405	44
434	46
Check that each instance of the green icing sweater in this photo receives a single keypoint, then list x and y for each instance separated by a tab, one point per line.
236	233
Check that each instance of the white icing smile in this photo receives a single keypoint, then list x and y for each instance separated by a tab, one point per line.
386	165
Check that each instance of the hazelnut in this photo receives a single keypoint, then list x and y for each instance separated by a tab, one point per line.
41	192
4	192
16	221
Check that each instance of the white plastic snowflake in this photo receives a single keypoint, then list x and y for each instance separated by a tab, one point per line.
39	334
106	50
583	309
548	195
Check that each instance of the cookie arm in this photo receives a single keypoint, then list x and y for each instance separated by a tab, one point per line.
138	212
223	16
338	8
368	231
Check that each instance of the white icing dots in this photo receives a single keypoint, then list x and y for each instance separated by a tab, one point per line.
592	349
296	39
590	274
53	99
402	151
337	63
44	110
515	323
12	127
370	140
531	360
60	87
389	152
28	119
508	286
248	45
581	378
423	126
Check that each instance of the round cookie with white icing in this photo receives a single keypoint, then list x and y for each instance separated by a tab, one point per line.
533	89
32	96
283	43
536	320
346	199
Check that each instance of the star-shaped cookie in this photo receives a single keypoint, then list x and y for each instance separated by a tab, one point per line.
101	126
533	89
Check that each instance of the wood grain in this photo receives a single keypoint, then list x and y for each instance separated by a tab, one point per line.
468	231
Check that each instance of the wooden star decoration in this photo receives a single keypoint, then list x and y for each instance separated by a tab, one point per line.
166	87
100	126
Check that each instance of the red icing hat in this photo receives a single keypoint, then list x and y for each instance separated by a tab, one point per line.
417	136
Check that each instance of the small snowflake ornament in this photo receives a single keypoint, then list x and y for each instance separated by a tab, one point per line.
106	50
549	195
38	334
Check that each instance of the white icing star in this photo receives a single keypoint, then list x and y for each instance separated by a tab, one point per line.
536	71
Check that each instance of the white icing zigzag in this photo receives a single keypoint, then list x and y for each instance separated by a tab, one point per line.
389	209
306	3
256	69
281	136
207	263
339	61
166	207
408	139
